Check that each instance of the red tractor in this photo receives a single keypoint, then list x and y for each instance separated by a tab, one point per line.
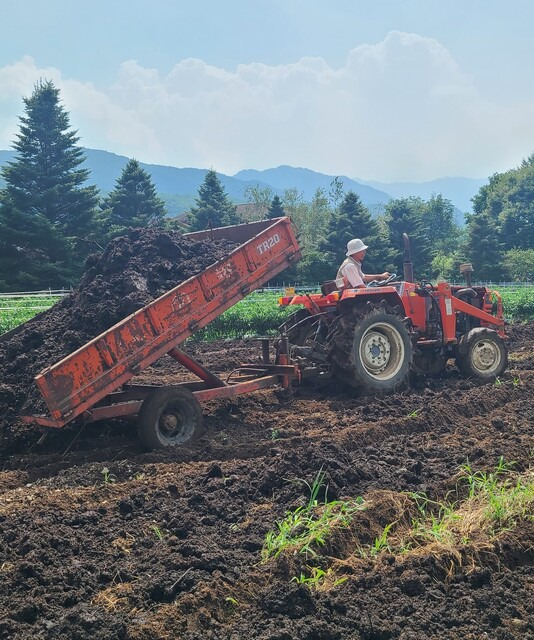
373	337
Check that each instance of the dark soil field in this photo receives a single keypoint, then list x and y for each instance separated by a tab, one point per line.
101	540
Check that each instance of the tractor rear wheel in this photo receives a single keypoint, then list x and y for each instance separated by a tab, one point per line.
482	354
169	416
373	348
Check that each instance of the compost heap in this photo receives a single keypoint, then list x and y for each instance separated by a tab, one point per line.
133	270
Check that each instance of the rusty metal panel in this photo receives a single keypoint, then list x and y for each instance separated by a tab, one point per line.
236	233
86	376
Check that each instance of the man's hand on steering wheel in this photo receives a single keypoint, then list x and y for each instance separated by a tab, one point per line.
389	277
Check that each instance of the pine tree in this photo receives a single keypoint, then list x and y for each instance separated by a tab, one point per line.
133	202
45	177
213	206
483	247
353	220
32	251
45	205
276	210
406	215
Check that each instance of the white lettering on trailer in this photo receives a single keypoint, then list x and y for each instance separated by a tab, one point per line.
268	244
448	306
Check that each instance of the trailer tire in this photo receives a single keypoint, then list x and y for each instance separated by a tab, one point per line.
482	354
169	417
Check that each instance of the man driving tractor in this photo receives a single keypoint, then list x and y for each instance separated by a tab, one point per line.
350	273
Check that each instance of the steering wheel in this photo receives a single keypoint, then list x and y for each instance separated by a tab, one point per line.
426	284
382	283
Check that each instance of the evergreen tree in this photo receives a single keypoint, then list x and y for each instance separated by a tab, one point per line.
406	215
45	177
483	248
45	206
315	267
276	210
133	202
33	253
213	206
353	220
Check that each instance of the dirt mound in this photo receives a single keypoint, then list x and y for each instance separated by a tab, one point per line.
133	270
105	541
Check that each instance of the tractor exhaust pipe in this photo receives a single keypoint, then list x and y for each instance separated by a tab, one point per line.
407	259
466	269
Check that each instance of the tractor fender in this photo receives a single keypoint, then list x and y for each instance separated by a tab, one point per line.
463	344
374	295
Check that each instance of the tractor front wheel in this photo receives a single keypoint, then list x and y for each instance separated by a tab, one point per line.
170	416
482	354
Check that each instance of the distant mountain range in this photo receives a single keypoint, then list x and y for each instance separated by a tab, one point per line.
307	181
179	186
458	190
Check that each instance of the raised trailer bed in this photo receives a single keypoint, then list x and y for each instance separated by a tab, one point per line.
92	383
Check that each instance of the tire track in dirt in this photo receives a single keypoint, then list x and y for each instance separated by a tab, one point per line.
164	547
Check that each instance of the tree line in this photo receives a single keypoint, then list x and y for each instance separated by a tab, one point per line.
51	219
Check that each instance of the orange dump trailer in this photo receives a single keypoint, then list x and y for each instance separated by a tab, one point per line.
92	383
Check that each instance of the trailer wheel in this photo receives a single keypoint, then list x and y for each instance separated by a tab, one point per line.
482	354
169	417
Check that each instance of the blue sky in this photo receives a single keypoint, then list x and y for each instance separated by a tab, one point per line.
377	89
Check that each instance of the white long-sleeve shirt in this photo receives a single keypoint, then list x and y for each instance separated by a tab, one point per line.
352	270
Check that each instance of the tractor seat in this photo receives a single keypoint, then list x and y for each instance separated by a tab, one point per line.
467	295
329	287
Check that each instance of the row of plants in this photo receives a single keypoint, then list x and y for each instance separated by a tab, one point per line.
257	315
518	303
484	506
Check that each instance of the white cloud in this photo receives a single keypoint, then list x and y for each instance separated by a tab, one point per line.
401	109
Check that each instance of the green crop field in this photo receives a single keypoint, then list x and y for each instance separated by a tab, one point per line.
257	315
518	303
15	310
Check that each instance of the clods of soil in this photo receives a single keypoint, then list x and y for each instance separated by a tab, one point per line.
100	540
133	270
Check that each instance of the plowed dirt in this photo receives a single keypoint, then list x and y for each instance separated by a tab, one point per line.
100	540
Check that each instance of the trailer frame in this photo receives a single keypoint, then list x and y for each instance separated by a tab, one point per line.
93	382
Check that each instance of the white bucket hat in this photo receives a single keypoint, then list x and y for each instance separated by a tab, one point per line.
353	246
